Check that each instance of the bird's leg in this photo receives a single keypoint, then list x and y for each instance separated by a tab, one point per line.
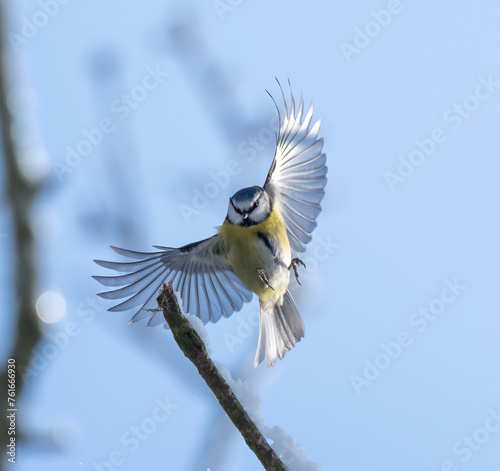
294	264
263	277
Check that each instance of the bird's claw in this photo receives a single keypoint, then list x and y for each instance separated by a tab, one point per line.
294	264
263	277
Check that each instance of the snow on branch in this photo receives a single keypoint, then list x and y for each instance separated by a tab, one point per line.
193	347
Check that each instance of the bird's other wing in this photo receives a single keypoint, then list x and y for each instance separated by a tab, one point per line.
297	177
199	272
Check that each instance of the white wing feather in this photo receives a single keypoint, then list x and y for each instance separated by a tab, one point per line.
297	177
199	272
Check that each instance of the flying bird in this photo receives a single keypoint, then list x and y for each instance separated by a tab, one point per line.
253	251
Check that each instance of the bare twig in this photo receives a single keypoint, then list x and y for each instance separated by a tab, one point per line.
193	347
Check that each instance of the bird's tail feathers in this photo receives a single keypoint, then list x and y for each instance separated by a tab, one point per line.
280	327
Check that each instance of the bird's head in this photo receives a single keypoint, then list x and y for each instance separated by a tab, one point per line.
249	206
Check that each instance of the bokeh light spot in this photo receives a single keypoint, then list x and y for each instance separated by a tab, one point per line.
51	307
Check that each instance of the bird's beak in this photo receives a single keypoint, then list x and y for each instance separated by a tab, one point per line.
245	216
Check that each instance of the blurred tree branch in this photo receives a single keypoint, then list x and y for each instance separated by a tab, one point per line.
19	193
193	347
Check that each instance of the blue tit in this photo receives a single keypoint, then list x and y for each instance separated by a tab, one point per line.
265	229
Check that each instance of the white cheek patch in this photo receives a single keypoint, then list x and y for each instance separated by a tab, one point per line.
259	214
233	217
262	212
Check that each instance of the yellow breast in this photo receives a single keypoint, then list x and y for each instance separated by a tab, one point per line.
246	253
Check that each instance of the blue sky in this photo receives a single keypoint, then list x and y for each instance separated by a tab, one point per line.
399	366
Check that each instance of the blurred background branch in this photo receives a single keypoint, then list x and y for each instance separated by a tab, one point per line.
20	193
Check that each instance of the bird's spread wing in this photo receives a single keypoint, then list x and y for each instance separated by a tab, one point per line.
199	272
297	177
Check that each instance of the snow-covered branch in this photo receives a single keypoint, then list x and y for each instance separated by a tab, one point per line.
193	347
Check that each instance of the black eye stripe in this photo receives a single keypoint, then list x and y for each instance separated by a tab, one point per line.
235	208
